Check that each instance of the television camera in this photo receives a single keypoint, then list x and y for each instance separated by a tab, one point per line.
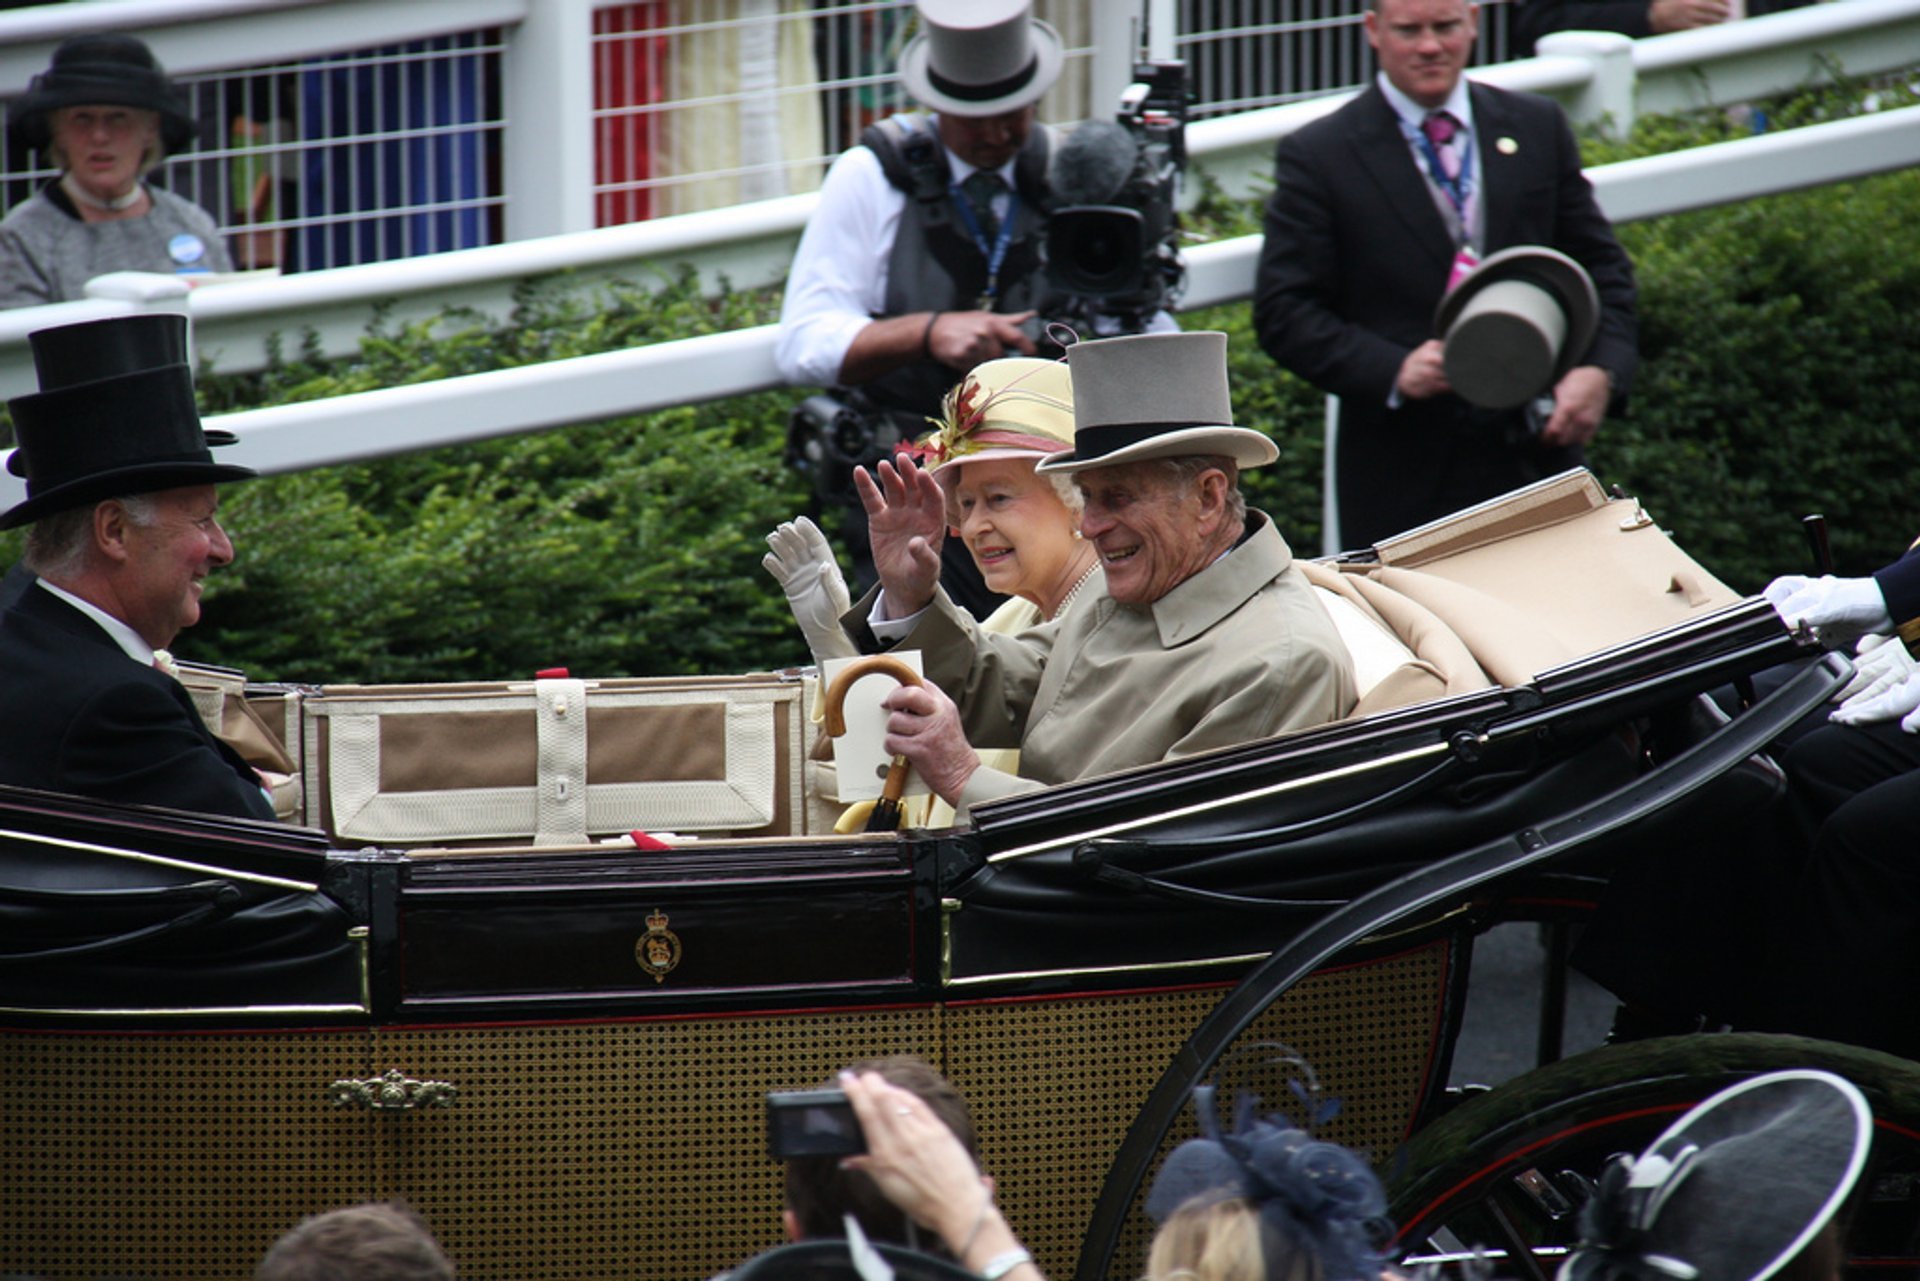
1110	252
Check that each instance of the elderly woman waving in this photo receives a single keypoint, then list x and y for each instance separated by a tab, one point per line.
104	113
1022	529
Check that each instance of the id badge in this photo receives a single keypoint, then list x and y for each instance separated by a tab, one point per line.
1463	263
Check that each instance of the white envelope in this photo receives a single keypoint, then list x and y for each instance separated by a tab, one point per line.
860	760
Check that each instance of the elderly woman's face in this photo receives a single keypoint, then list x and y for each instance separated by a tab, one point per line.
1020	533
104	146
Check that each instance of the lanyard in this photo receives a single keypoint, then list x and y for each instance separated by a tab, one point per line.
1456	189
997	252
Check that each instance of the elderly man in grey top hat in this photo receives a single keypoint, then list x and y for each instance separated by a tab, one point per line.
1208	634
121	500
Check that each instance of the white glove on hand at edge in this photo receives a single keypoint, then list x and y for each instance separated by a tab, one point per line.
1900	701
802	560
1840	609
1880	663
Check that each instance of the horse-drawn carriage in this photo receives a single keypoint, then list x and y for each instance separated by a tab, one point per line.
459	981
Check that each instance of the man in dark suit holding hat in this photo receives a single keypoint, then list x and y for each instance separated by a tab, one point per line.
1207	633
1377	209
121	504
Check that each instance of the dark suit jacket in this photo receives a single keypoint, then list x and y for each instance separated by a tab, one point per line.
82	717
1355	261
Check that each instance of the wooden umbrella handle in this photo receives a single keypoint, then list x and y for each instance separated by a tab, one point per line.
885	664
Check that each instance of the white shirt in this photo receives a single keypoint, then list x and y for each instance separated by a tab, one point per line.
123	636
1459	105
838	282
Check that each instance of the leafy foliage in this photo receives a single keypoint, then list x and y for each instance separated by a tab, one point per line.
1778	376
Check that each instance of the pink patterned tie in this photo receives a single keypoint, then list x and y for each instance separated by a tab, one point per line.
1440	128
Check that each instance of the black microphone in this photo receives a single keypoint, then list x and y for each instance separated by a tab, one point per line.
1093	164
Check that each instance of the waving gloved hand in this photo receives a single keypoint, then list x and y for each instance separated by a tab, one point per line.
1901	701
1838	608
802	560
1880	663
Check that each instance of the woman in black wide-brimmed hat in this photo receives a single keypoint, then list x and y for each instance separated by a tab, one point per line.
104	113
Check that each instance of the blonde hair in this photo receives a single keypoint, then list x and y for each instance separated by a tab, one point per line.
1225	1240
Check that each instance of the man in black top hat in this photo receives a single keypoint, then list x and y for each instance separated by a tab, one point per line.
122	503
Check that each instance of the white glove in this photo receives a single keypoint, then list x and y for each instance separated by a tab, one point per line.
1903	701
802	560
1839	608
1879	664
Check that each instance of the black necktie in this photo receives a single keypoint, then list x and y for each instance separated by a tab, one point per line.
980	188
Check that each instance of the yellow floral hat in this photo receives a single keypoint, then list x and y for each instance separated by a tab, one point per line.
1015	408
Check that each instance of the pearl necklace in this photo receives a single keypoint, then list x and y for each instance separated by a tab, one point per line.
1074	590
112	204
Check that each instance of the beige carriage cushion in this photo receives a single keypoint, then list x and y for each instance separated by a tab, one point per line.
1506	642
1398	660
1530	602
1436	645
554	761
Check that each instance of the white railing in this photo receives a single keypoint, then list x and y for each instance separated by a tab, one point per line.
587	388
338	132
751	245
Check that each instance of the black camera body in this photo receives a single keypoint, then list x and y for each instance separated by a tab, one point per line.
802	1123
831	433
1111	247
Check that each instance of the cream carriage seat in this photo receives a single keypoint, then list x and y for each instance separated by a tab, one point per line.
1401	652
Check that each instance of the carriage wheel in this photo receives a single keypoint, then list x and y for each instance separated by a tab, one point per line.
1504	1174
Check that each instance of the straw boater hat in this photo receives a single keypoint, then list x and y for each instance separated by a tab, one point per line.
1015	408
1515	324
1154	396
1734	1190
100	70
115	415
980	57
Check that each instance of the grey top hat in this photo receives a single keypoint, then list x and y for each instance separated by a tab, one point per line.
1515	324
1734	1190
980	57
1154	396
115	415
101	69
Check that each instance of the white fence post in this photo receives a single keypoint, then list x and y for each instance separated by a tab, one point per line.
548	139
1610	91
1116	38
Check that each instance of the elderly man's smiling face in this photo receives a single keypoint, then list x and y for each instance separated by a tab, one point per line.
1153	531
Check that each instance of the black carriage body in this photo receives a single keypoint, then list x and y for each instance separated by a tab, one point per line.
213	1028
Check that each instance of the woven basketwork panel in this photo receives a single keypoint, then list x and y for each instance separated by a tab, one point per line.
171	1156
614	1151
1054	1084
601	1152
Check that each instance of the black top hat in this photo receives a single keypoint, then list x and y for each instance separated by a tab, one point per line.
100	70
115	416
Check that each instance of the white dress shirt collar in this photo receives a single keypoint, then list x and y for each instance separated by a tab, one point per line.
1412	114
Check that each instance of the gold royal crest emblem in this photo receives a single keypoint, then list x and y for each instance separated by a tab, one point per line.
658	950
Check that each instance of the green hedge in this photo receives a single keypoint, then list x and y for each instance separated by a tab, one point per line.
1780	370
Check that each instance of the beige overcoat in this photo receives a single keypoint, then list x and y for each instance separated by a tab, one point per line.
1239	651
